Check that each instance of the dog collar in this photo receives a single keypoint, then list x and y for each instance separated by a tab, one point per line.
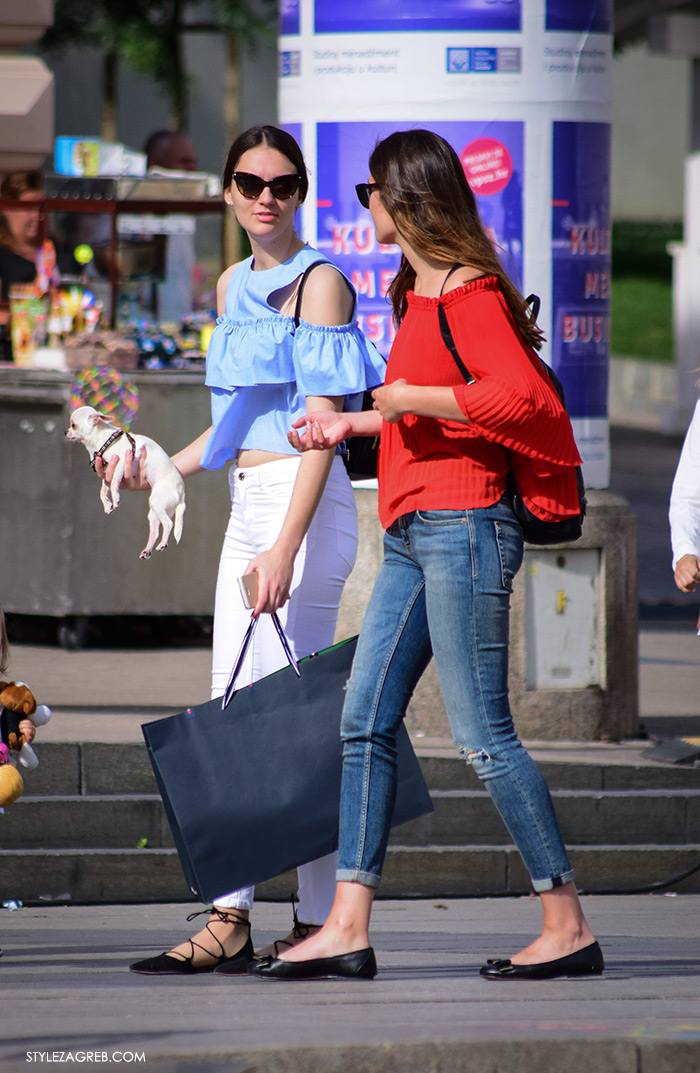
108	443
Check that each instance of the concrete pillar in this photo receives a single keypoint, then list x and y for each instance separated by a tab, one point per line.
574	624
522	92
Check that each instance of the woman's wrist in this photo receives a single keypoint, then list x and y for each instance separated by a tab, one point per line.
406	399
364	422
287	547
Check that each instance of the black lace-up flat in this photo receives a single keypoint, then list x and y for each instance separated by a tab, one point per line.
172	965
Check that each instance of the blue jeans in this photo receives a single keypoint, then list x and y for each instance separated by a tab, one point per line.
443	590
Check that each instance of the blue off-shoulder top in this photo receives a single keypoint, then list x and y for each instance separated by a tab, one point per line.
260	367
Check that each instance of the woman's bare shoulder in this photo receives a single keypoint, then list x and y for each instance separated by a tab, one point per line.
225	277
222	285
327	297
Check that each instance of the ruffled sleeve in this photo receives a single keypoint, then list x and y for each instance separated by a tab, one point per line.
512	402
243	353
536	426
335	360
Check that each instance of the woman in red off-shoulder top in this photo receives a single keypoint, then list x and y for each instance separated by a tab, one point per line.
452	548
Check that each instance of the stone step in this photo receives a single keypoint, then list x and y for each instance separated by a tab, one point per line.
619	817
124	768
71	822
101	876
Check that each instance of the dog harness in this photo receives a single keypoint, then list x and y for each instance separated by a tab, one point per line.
108	443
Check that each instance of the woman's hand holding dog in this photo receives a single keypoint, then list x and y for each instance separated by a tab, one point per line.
134	475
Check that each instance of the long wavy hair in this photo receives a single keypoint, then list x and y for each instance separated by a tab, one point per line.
275	138
425	191
14	185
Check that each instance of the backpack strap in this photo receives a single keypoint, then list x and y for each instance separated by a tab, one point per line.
302	282
447	334
450	344
532	300
450	273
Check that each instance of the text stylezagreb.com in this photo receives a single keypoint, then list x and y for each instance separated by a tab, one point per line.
86	1056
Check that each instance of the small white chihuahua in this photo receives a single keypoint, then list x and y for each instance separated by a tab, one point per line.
104	440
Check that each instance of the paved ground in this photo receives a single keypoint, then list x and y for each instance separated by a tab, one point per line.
428	1011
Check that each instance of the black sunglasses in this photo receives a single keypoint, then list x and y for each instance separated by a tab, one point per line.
252	186
363	191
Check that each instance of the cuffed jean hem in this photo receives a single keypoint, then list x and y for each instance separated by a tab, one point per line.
542	885
352	875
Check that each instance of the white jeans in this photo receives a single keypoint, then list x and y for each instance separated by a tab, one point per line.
260	498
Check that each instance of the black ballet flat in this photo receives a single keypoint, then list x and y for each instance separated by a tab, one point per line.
359	965
586	962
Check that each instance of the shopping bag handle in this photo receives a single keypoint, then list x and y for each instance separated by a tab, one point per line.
245	644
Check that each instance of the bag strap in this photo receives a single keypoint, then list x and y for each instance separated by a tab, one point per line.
534	301
446	333
245	645
302	282
450	273
450	344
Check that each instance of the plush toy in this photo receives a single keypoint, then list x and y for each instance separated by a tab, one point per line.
17	703
11	785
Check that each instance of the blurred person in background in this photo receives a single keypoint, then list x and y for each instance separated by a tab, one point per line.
171	151
684	510
19	243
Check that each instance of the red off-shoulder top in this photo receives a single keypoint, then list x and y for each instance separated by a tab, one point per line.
517	419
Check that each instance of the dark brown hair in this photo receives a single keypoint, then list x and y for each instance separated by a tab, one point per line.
274	138
14	185
425	191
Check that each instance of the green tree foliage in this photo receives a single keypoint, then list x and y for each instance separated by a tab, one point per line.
146	35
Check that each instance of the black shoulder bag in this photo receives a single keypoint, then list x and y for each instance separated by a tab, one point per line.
359	452
535	530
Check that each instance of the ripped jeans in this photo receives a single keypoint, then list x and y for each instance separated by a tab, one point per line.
444	590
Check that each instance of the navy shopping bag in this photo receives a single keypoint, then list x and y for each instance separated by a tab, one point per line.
251	788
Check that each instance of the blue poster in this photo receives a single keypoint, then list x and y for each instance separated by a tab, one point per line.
370	16
577	16
492	157
289	16
581	264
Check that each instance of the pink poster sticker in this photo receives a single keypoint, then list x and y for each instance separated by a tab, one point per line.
487	165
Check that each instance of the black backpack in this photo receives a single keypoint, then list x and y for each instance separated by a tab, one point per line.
535	531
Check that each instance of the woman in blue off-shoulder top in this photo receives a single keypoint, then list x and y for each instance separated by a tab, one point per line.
293	520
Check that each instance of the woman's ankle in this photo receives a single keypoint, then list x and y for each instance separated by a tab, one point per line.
224	934
232	913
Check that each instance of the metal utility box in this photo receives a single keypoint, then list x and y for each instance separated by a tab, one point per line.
60	554
563	612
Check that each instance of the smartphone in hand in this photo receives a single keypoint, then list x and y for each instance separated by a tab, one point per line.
248	584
